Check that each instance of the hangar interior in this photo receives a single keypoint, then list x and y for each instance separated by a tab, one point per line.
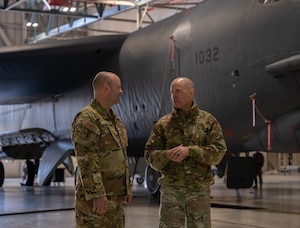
33	21
30	21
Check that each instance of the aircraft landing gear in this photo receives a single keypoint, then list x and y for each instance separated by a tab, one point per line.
151	181
27	173
140	180
2	174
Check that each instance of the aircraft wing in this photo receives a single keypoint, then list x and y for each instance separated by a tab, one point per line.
35	71
57	153
36	143
291	63
25	144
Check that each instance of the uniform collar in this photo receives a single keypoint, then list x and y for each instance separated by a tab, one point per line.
102	111
193	113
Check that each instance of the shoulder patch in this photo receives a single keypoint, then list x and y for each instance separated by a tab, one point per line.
92	127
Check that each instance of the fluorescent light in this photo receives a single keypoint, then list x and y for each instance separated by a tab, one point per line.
72	9
65	9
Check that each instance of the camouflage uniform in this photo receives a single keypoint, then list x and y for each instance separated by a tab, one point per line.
185	186
100	142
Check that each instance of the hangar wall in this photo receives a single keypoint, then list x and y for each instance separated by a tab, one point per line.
12	29
13	168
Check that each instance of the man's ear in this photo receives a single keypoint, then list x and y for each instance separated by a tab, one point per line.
192	91
106	87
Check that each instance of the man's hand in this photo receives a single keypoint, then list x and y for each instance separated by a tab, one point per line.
127	200
100	205
178	153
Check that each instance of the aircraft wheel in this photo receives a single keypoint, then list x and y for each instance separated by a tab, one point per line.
27	173
2	174
140	180
151	181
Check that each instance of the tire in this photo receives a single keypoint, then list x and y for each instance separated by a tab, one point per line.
2	174
27	173
140	180
152	181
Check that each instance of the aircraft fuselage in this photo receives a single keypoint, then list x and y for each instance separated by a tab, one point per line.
224	47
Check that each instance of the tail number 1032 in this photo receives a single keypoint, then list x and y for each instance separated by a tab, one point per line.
207	56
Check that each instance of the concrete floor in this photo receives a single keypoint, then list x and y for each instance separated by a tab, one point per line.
277	204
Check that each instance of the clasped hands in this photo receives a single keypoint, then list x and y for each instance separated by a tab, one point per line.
178	153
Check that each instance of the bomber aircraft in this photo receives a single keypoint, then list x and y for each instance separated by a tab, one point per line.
243	57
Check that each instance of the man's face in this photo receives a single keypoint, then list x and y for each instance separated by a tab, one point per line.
115	91
181	95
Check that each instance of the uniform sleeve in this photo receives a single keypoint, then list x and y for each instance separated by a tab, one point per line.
128	182
214	150
124	139
155	151
85	136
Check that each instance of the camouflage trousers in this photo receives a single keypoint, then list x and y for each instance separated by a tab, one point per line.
182	207
113	218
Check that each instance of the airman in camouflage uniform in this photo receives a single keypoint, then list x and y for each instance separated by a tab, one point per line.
100	142
182	146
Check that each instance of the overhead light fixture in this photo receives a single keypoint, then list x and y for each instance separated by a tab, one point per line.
73	9
65	9
62	5
32	22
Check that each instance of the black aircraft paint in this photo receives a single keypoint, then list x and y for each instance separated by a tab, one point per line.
230	49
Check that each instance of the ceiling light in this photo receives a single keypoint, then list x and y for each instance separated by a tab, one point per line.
72	9
65	9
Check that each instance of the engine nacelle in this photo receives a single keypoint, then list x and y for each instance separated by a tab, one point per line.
285	135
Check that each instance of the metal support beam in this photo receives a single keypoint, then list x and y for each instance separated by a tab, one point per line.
15	4
100	8
4	37
79	23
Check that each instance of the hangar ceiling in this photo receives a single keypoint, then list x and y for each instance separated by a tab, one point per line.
58	19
